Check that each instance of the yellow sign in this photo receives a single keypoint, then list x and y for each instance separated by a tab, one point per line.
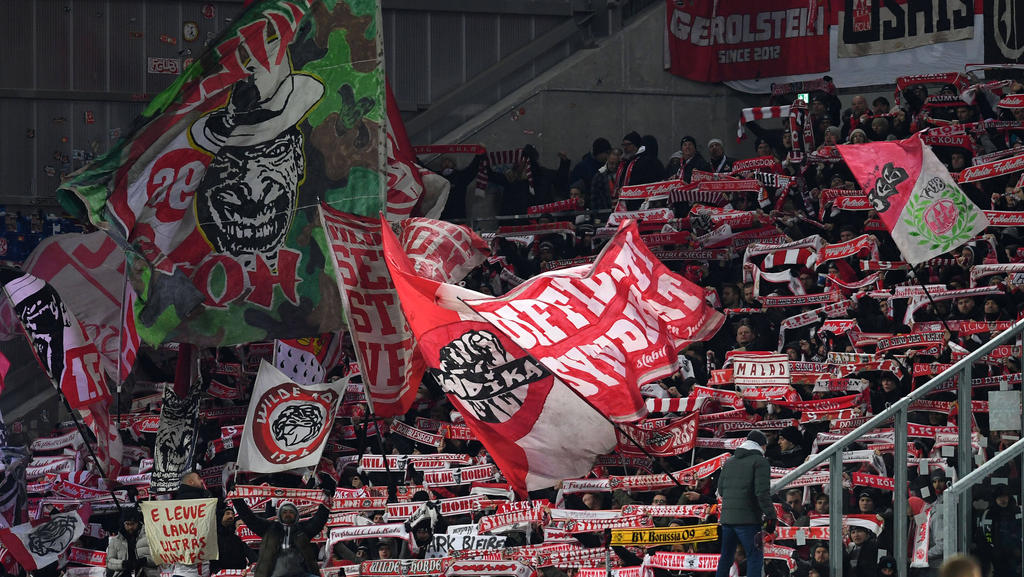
665	535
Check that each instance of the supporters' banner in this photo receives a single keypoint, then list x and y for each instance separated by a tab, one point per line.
664	535
512	403
87	270
609	328
445	507
675	438
176	438
692	511
414	434
181	531
215	190
992	169
713	42
923	208
1005	218
460	476
694	562
287	424
879	28
384	530
922	538
479	568
39	543
391	367
492	522
440	250
910	341
877	481
760	370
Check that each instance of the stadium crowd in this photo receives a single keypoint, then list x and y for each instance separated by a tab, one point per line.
785	192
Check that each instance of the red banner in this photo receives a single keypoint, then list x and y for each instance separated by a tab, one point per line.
718	41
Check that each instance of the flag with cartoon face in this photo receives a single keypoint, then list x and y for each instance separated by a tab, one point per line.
37	544
213	196
288	423
918	200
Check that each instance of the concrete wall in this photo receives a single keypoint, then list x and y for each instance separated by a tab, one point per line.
619	86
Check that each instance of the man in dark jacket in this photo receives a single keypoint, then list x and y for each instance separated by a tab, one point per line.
233	552
744	486
286	546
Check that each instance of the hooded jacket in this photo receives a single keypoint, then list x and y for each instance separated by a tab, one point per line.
275	535
744	486
124	549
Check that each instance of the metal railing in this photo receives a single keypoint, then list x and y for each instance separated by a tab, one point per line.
950	531
898	413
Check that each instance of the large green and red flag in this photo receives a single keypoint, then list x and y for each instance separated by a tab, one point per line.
915	196
214	194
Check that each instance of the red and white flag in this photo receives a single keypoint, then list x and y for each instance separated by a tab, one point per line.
129	337
412	190
303	360
88	271
606	328
511	402
918	201
37	544
69	357
287	423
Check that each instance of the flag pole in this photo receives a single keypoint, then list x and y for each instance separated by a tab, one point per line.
917	277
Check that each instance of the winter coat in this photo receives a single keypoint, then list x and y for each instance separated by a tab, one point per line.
233	552
274	534
744	487
118	555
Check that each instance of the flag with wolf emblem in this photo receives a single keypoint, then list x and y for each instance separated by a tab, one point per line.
915	196
39	543
214	195
287	423
534	426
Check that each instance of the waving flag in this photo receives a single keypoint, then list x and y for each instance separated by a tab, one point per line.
915	196
39	543
606	328
88	270
70	359
287	424
514	405
305	360
214	195
384	344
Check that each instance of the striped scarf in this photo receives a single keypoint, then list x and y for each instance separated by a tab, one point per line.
755	114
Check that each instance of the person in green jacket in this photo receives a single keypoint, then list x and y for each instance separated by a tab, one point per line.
744	487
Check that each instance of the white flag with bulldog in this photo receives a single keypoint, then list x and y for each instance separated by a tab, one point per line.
288	423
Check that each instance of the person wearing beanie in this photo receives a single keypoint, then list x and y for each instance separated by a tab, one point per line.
690	159
233	553
631	145
128	551
720	163
747	507
791	451
286	545
998	535
861	560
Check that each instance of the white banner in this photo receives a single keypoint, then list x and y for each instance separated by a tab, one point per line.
181	531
